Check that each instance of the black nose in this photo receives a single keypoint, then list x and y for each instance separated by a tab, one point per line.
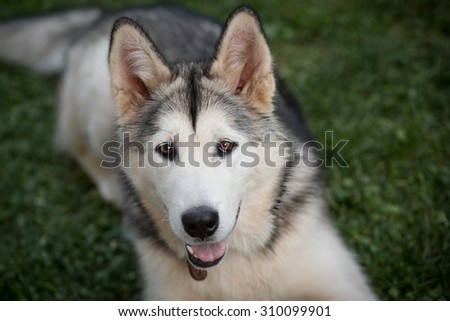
200	222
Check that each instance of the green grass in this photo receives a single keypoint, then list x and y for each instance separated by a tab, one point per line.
375	73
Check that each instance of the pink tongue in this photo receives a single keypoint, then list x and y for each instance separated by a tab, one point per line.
209	252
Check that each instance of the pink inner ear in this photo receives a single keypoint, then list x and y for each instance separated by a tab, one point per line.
239	87
246	75
138	86
133	81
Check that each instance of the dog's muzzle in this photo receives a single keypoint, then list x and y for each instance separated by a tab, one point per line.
201	223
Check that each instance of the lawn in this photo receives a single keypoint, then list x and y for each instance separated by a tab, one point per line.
376	73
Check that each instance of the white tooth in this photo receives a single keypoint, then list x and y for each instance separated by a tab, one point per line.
189	249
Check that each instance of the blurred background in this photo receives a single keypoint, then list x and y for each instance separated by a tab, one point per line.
376	73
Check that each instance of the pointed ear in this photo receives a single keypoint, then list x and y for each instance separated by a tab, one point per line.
135	65
244	61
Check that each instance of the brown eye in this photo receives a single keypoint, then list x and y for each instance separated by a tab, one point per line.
224	147
166	150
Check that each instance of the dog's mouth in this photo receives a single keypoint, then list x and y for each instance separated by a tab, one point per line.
204	255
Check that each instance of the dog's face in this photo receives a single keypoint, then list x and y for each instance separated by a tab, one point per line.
200	180
192	121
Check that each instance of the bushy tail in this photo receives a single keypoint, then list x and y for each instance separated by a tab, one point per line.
41	43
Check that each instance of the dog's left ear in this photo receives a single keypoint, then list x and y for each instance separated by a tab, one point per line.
244	61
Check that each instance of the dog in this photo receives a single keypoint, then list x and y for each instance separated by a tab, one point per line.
181	124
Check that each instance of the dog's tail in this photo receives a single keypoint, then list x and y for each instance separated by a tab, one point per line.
41	43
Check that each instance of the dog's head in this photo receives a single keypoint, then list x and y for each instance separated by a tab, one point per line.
191	121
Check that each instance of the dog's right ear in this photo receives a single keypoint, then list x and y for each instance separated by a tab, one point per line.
135	65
